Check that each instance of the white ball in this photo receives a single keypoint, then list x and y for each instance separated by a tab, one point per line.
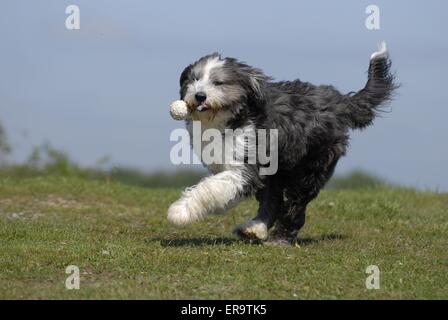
179	110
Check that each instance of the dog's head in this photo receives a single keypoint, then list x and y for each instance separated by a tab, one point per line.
213	84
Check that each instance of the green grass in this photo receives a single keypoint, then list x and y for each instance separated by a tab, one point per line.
119	237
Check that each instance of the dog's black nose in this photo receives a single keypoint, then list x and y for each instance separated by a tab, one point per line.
200	97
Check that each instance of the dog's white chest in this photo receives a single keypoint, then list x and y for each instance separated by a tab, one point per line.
220	148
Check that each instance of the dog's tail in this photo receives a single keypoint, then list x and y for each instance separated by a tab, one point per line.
364	104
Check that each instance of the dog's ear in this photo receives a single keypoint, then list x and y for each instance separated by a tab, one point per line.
183	79
185	74
256	82
252	79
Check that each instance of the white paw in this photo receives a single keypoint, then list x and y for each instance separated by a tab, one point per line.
253	229
179	214
382	51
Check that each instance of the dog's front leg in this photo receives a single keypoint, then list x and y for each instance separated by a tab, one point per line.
212	194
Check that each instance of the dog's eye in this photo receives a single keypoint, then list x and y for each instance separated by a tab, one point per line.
218	83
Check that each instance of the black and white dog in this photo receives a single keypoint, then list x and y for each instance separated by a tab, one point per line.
312	122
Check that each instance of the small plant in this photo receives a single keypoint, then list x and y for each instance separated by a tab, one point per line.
5	148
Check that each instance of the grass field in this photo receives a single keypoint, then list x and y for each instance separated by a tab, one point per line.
119	237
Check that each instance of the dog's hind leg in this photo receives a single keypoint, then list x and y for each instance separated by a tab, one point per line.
270	200
301	189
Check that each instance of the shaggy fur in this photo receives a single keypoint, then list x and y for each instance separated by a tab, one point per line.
313	124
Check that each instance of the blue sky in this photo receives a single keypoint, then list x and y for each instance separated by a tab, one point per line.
105	89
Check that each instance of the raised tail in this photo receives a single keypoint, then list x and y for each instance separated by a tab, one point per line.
380	86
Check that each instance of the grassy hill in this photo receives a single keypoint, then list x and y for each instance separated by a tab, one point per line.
119	237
